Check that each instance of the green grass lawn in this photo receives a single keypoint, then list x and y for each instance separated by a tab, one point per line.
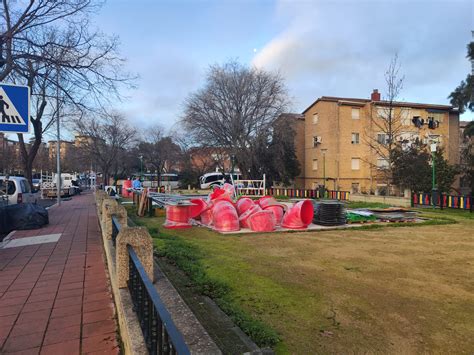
386	290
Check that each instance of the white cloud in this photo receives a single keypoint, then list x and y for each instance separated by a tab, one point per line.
343	48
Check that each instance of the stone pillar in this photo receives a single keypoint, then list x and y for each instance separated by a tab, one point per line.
99	197
106	204
142	243
118	211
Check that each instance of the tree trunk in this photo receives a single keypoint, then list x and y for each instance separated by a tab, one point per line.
28	156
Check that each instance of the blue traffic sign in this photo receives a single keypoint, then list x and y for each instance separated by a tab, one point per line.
14	108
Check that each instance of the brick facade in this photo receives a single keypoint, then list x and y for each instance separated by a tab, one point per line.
343	129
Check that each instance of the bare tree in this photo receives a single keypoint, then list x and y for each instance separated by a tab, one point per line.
48	46
107	141
160	153
22	24
386	125
237	106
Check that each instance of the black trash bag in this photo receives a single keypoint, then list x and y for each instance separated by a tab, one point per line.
3	221
25	216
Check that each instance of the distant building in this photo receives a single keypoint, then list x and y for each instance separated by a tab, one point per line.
64	148
336	130
209	159
10	155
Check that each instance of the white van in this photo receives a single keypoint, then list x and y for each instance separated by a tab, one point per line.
209	180
16	190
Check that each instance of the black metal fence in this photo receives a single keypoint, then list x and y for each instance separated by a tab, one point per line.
115	229
160	333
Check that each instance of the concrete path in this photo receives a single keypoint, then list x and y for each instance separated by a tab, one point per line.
54	296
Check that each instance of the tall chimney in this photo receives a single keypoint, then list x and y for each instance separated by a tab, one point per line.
375	96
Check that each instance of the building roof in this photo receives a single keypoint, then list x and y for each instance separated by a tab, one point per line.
291	116
348	100
463	124
60	141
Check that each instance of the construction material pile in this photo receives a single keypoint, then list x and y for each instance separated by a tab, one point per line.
329	213
221	213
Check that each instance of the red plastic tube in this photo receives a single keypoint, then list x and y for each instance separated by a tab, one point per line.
299	216
127	184
199	206
177	217
267	201
262	221
277	211
206	216
224	217
243	219
243	204
220	194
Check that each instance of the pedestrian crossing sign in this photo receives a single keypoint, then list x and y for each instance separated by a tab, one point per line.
14	108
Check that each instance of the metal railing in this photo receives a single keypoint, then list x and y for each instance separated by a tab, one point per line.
160	333
115	229
308	193
442	200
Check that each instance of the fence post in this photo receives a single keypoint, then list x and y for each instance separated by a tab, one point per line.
150	207
118	211
142	243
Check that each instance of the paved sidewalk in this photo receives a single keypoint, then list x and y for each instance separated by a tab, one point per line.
55	297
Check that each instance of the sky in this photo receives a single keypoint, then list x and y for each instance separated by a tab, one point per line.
331	48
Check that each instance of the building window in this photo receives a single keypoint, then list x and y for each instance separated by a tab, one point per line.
315	118
382	138
382	163
317	140
315	164
355	163
355	113
355	138
405	116
384	112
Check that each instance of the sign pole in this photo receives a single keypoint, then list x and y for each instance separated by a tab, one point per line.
58	144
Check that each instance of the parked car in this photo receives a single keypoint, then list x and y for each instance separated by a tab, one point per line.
36	184
17	189
212	179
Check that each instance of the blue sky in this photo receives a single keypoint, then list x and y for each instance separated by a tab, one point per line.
338	48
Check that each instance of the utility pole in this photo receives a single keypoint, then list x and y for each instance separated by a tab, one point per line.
58	144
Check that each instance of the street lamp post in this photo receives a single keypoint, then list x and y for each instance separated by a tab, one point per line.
324	170
58	144
232	161
434	192
141	166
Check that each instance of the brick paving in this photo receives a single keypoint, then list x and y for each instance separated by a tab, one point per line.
55	297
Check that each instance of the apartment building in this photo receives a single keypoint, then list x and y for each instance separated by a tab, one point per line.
64	148
341	137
